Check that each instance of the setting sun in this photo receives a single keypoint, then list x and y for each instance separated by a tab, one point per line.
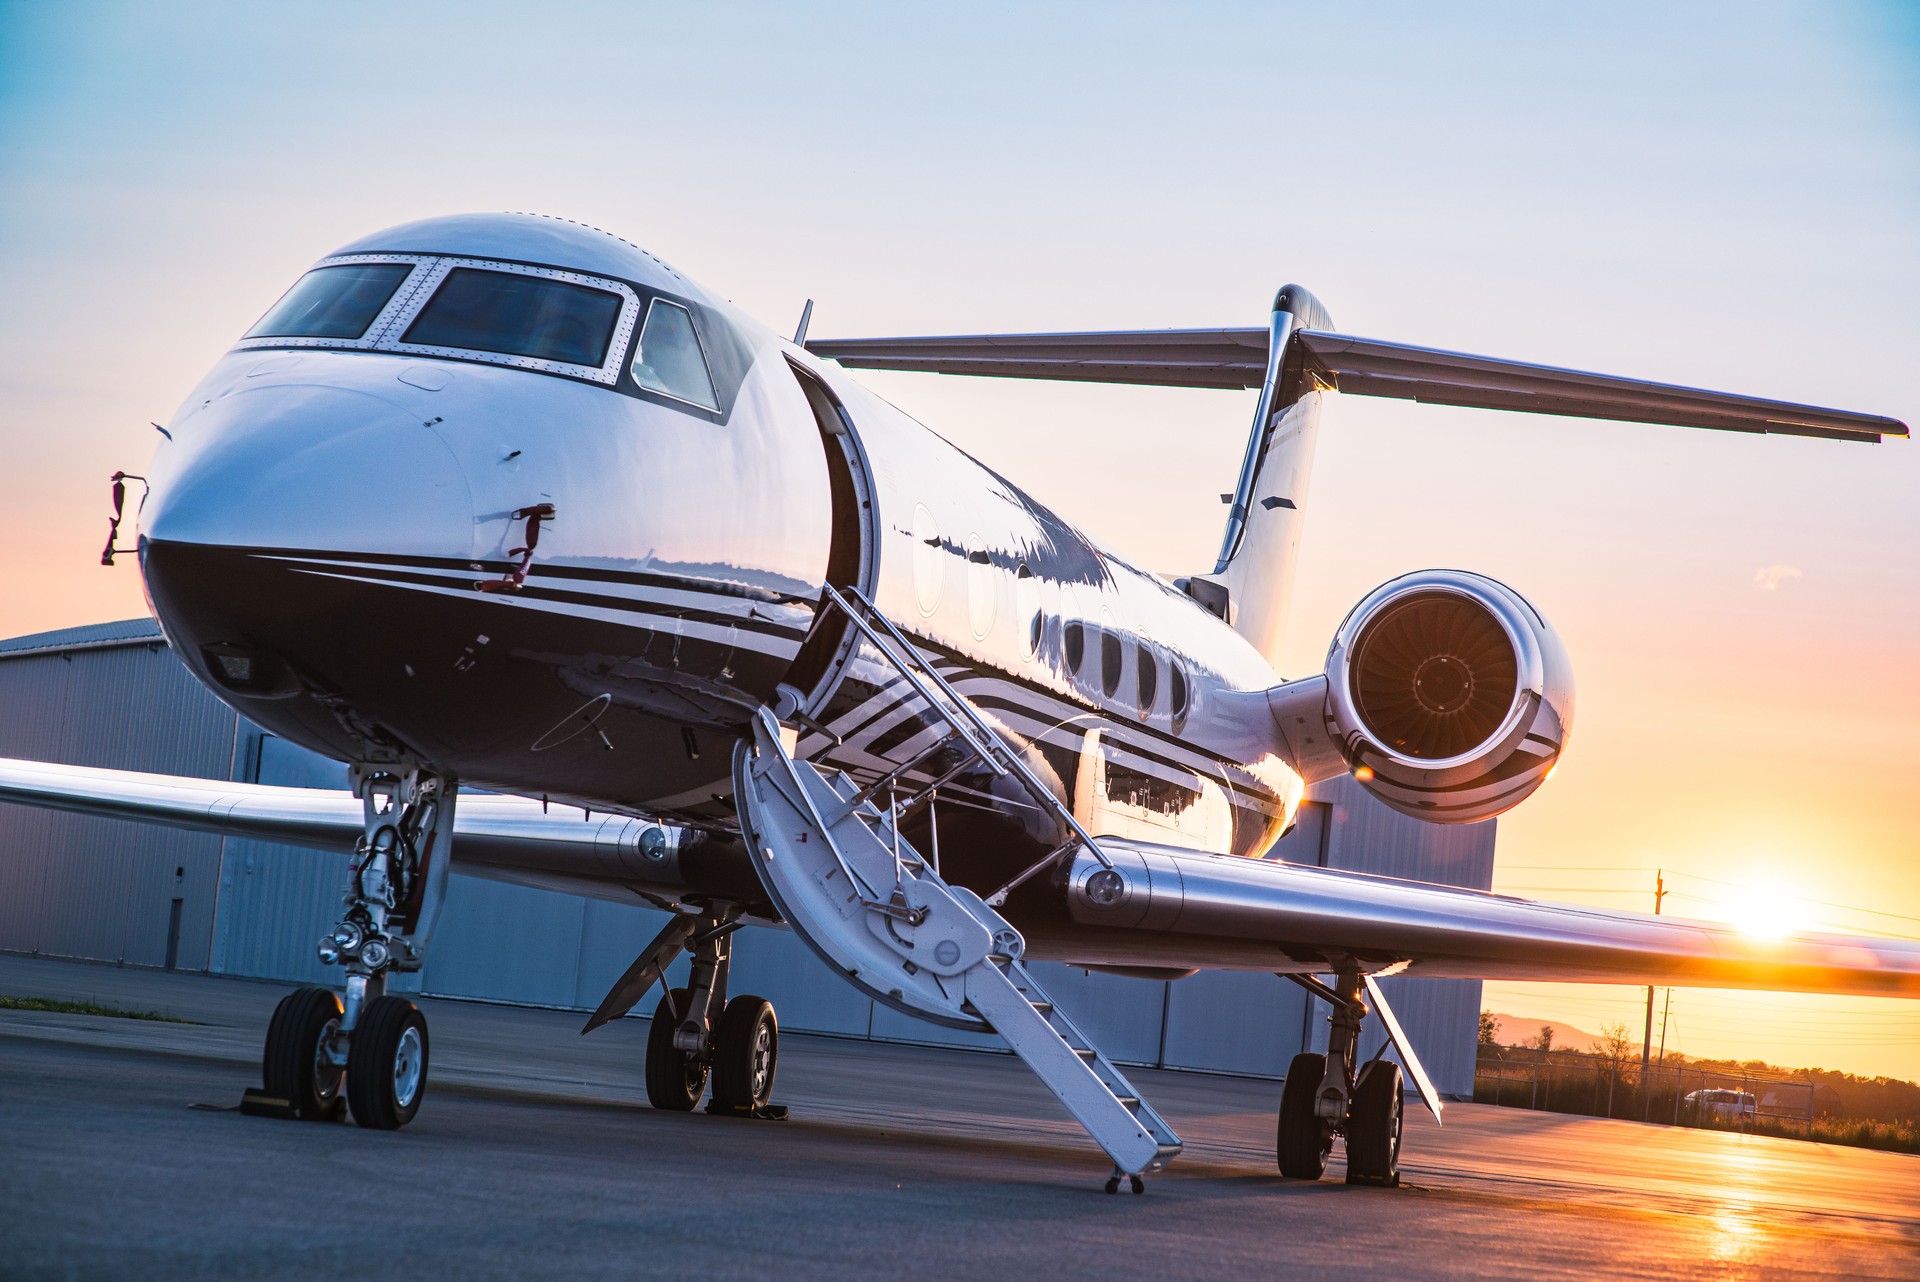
1768	913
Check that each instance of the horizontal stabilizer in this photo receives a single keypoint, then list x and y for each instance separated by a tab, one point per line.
1237	358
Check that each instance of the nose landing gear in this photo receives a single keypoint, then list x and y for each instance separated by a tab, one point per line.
367	1051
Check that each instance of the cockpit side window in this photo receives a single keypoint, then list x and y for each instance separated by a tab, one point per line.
518	315
670	360
333	302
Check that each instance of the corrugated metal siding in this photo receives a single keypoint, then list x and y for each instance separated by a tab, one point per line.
276	901
101	888
84	887
1235	1023
87	636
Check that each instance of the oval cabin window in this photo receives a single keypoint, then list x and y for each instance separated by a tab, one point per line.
982	587
1146	669
927	558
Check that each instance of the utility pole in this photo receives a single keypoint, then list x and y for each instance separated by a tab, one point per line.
1646	1038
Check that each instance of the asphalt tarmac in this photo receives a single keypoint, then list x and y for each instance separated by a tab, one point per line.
536	1156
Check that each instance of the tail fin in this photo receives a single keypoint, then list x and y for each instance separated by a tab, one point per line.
1251	586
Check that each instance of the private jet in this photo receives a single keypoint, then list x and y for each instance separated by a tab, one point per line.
598	585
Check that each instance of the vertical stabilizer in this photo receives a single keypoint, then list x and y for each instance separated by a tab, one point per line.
1252	585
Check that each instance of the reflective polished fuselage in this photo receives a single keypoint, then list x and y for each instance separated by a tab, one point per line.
333	525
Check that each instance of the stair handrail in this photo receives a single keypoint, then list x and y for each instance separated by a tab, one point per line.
980	736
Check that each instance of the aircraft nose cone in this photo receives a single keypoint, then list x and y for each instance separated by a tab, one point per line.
271	520
310	468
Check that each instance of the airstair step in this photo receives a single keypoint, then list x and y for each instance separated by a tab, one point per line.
833	871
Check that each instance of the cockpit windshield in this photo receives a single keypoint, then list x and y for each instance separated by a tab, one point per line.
333	302
515	315
669	360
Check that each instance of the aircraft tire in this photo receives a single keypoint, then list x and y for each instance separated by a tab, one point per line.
1373	1125
290	1065
1303	1141
387	1064
746	1052
676	1079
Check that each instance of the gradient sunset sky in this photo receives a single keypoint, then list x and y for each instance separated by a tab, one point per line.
1721	195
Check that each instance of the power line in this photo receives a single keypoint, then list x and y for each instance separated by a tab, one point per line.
1824	903
1823	923
1692	876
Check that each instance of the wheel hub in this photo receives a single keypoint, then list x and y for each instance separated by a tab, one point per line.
407	1064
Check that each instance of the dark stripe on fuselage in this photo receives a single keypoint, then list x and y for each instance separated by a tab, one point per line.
485	565
629	605
1160	752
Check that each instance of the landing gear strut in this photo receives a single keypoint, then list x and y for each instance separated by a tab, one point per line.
367	1051
688	1046
1332	1094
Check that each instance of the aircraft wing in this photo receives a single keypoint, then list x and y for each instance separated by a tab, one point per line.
1312	915
489	831
1237	358
1205	910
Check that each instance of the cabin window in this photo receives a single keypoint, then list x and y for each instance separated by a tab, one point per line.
1177	694
669	360
1075	638
1113	655
1146	670
333	302
1026	598
516	315
983	587
929	567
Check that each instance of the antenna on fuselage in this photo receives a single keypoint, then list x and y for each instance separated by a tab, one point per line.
800	334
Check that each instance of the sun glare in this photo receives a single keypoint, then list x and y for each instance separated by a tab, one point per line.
1764	912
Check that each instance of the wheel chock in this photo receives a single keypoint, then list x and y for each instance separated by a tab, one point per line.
764	1113
257	1103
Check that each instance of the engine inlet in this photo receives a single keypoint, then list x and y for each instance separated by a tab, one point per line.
1434	676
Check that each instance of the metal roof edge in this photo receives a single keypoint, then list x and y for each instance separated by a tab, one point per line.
86	637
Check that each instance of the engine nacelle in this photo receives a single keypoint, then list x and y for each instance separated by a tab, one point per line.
1450	697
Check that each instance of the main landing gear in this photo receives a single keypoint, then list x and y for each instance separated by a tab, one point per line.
689	1049
1328	1095
366	1050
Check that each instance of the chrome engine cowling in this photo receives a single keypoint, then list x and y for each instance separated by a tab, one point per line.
1450	696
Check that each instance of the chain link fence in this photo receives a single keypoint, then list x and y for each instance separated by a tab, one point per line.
1676	1094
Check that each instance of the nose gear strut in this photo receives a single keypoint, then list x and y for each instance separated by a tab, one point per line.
373	1042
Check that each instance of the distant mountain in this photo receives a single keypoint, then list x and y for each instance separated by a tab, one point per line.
1517	1030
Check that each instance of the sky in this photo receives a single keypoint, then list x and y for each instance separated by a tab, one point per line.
1721	195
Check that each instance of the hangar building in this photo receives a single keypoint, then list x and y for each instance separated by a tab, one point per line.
112	695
